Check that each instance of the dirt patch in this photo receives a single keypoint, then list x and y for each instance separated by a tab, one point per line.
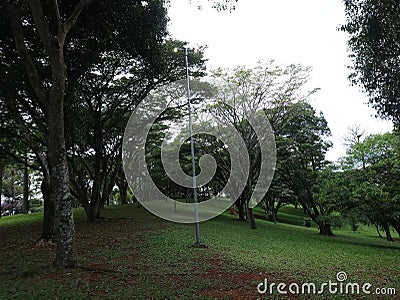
239	284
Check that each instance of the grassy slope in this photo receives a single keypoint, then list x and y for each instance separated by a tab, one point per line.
138	256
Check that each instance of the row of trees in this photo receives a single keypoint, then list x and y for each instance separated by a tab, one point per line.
362	188
71	74
299	137
373	27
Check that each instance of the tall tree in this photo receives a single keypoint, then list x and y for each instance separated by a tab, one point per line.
301	147
110	92
46	71
242	93
374	30
375	165
55	40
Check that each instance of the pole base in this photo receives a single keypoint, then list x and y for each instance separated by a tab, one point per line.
199	245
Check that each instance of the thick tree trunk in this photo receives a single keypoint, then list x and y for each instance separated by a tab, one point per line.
64	222
252	219
53	102
123	193
93	210
48	214
325	229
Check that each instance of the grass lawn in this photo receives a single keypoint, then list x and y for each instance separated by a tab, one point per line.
135	255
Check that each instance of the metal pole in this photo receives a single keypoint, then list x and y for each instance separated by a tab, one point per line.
196	203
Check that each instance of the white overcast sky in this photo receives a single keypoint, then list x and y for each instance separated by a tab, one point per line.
288	31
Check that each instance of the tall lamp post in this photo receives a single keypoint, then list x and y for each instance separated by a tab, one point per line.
198	243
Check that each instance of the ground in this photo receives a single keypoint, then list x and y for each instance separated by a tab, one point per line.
132	254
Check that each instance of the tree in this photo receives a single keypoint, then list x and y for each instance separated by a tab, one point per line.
14	152
52	24
374	30
219	5
364	188
301	147
375	164
279	194
110	91
71	41
243	94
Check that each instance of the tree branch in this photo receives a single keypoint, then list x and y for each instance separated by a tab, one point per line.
70	22
41	25
57	11
25	132
18	35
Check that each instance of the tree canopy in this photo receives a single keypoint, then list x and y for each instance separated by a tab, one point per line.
374	30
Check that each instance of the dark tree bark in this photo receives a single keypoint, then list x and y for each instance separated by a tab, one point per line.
25	207
252	219
325	228
122	187
240	206
377	230
48	214
389	237
123	193
12	191
64	223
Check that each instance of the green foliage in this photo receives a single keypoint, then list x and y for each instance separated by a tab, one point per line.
301	142
374	29
267	91
366	187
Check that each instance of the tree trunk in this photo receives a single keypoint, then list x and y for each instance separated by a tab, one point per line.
274	214
325	229
53	102
239	205
396	226
93	211
377	230
252	219
13	191
123	190
123	193
64	222
386	227
48	214
25	207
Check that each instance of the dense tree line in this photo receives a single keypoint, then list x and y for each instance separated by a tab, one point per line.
60	65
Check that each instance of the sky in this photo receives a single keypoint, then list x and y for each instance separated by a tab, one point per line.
287	31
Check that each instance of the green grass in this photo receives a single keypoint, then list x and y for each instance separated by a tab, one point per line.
21	220
135	255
